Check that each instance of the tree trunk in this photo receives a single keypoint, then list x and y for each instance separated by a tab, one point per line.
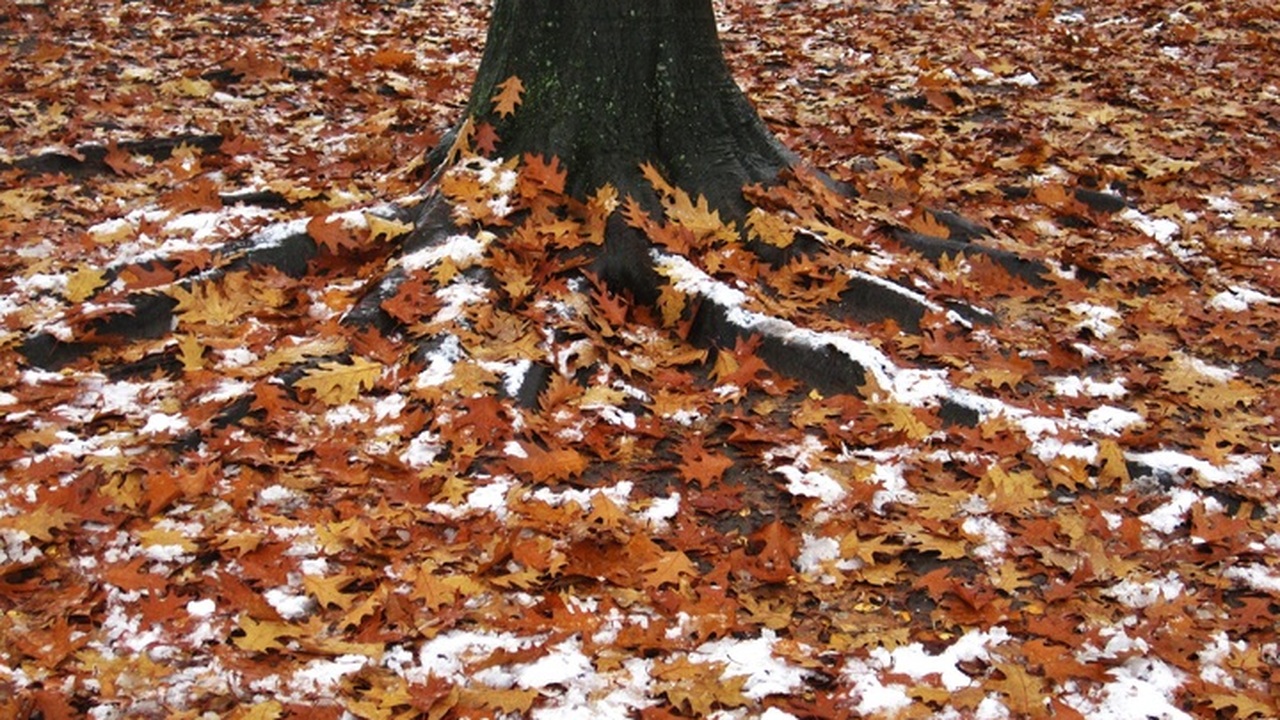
609	84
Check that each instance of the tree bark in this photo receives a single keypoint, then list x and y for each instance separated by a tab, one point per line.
610	84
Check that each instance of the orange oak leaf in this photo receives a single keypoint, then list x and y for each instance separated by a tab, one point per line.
702	466
776	546
669	569
547	465
508	96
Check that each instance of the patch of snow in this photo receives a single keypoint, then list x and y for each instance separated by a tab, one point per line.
165	424
462	250
1025	79
457	295
662	509
916	662
291	606
1173	462
817	484
389	407
1162	230
1239	299
1142	685
615	697
1215	654
1097	319
201	608
318	677
227	389
1257	577
440	363
490	497
345	415
765	673
872	696
893	487
1139	595
562	665
992	538
446	655
423	450
1166	518
816	551
237	357
1073	386
14	547
1107	420
274	494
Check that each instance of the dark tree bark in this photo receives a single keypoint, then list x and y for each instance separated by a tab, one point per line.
610	84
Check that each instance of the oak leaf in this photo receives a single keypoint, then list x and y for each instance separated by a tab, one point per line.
701	466
39	523
699	687
336	383
508	96
509	701
1011	492
265	635
671	568
1024	693
547	465
83	283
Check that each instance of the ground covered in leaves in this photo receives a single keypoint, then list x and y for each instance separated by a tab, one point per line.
669	530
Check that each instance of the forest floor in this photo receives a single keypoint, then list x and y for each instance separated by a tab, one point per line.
684	533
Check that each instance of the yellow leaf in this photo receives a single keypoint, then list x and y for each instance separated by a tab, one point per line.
293	354
39	523
157	536
269	710
336	383
190	353
384	229
188	87
213	303
328	590
698	217
507	702
770	229
84	283
671	304
699	687
1010	493
261	636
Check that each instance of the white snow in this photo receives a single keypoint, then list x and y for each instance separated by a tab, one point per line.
319	676
992	538
917	663
662	509
1240	299
1139	595
817	484
815	552
291	606
1106	420
1142	687
765	673
1173	462
1166	518
462	250
1257	577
